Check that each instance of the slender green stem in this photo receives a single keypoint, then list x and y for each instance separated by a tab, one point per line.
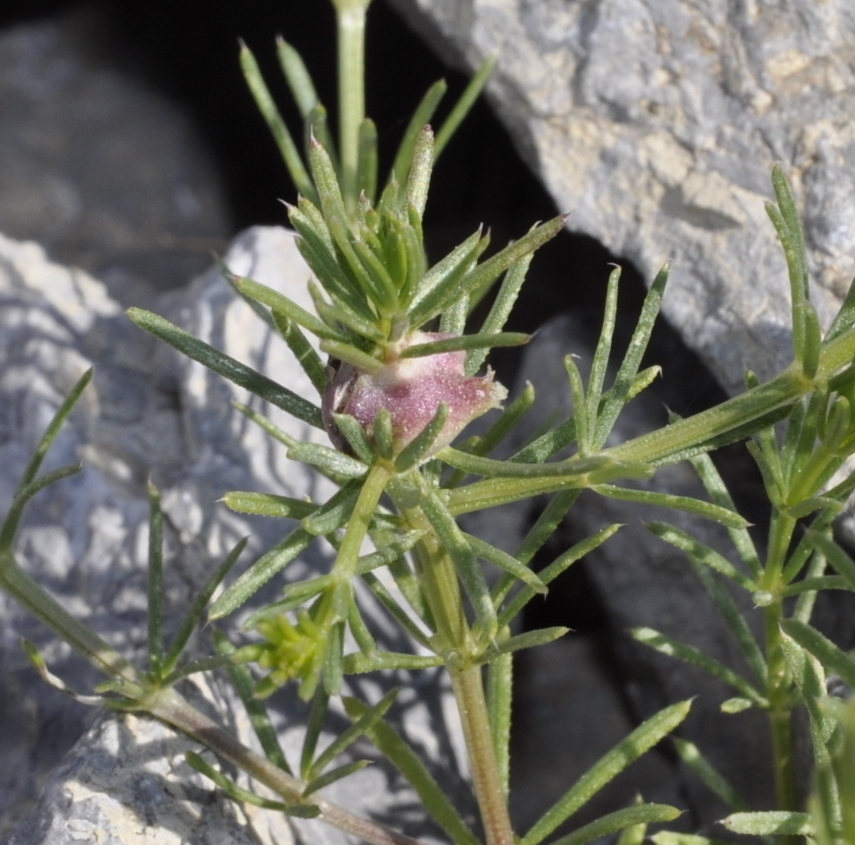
350	17
779	685
486	777
357	526
780	716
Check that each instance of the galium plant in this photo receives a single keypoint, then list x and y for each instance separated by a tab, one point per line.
403	376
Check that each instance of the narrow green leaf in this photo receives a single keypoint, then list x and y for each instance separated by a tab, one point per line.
195	761
480	279
453	319
266	504
829	655
618	820
817	567
267	107
413	237
810	679
642	381
359	727
56	423
701	552
418	180
737	704
451	267
391	547
333	662
691	755
530	639
396	611
335	511
382	282
297	75
338	222
409	764
314	727
826	582
600	364
384	435
263	422
367	166
845	317
228	367
634	834
500	309
581	474
643	738
464	104
352	355
835	555
421	116
316	128
195	613
303	351
327	459
316	246
547	444
355	435
388	661
792	219
812	339
360	632
614	399
499	699
333	775
689	654
770	822
25	493
741	539
507	562
549	574
194	667
260	573
244	684
279	302
734	619
572	467
420	446
580	407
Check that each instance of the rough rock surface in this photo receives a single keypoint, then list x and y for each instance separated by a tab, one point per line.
148	413
656	124
104	173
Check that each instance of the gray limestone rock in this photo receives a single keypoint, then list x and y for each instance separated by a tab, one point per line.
656	124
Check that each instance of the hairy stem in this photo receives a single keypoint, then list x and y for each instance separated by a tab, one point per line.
486	777
779	691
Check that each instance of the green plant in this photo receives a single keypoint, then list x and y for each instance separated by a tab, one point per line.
402	382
